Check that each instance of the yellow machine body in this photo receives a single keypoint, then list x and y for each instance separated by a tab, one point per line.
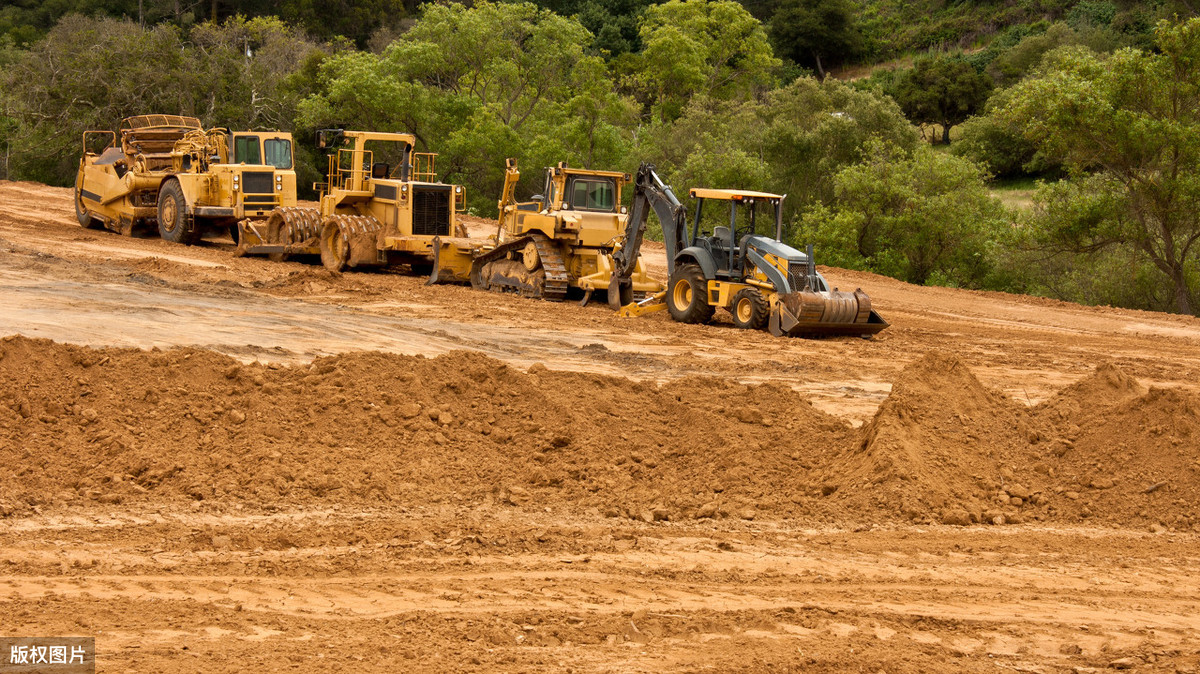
372	213
166	170
563	238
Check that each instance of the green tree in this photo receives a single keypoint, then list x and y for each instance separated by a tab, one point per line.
1128	128
924	217
943	90
478	84
91	73
816	32
792	140
713	47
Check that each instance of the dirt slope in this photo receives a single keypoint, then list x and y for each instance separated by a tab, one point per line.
360	428
215	464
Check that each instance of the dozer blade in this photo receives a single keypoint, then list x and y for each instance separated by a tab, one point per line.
812	314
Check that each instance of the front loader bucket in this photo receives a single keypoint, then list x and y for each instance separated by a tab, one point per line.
812	314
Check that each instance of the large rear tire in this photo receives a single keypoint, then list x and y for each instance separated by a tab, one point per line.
172	215
687	295
750	309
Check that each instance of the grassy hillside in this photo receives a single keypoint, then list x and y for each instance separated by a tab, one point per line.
897	27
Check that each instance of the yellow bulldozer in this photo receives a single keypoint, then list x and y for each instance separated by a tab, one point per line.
166	170
761	281
575	235
381	205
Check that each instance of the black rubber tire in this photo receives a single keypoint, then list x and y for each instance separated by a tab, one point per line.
687	295
421	268
335	254
750	309
82	215
172	215
233	233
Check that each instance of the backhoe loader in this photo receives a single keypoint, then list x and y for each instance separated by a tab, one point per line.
761	281
568	237
166	170
372	213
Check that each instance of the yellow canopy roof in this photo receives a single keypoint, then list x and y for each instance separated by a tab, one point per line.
731	195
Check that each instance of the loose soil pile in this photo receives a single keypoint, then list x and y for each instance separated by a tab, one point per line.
116	425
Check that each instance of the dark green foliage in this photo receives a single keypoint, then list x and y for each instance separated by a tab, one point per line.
942	90
91	73
816	33
923	216
614	24
1128	128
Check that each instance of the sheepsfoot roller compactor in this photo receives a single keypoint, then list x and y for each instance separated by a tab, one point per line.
573	238
166	170
373	212
761	281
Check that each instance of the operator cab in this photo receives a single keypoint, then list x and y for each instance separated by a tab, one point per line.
580	190
262	149
759	226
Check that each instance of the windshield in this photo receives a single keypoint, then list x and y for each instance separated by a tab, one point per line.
245	150
593	195
278	152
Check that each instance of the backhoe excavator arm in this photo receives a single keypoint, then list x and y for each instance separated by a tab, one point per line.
650	192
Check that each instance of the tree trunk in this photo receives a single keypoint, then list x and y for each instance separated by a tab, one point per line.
945	134
820	68
213	15
1183	304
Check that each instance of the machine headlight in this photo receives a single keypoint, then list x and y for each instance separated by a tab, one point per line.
458	189
279	187
624	210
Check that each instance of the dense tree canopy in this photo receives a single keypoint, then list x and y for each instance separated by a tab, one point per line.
816	33
696	87
917	215
480	84
1128	127
692	46
942	90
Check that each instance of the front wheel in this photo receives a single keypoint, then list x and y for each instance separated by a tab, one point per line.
750	309
687	295
81	212
172	214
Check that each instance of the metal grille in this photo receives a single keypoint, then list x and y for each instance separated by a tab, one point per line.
797	271
431	212
258	182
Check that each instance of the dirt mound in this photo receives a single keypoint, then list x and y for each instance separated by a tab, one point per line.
938	444
111	425
120	424
1104	387
1135	461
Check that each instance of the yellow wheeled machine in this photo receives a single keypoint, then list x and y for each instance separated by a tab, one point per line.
574	236
761	281
372	212
167	171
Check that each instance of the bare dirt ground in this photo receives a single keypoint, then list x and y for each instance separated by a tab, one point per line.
995	483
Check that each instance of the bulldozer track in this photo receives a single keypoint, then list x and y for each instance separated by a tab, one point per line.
557	281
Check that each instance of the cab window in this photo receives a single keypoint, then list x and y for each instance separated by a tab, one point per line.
593	195
278	152
245	150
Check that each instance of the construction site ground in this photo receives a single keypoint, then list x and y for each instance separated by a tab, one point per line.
222	464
